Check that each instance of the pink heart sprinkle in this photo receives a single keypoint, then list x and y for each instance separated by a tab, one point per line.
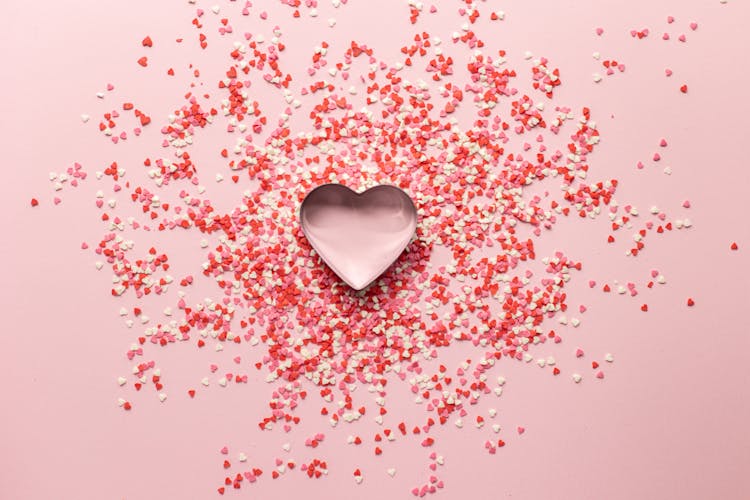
693	26
520	430
224	450
579	353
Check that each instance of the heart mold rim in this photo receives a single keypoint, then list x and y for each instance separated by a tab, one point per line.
412	209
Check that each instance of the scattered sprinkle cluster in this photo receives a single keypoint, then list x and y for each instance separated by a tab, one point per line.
490	168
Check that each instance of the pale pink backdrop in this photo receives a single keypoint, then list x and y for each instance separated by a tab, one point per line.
669	421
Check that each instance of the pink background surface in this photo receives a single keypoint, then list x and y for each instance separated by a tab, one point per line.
670	418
